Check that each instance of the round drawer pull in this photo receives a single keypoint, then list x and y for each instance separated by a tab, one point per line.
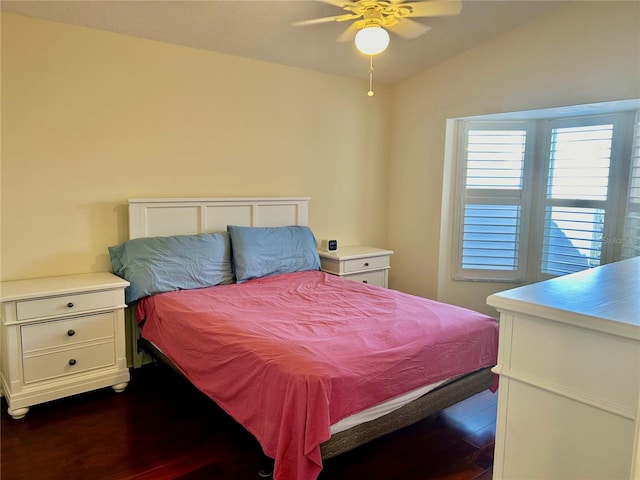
72	362
70	305
366	264
71	333
365	281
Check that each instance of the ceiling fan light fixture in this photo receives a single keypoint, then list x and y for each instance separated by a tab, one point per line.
372	40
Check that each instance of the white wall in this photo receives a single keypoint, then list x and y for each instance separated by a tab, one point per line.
582	52
91	118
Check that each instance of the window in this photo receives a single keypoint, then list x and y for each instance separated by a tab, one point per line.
541	198
494	187
631	237
576	195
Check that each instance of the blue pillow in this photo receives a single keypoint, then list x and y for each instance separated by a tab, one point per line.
263	251
163	264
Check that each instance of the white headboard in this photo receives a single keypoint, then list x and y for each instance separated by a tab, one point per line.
154	217
151	217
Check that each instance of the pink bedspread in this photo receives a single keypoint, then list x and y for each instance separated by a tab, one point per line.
291	354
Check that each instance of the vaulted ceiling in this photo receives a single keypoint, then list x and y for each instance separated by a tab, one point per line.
262	30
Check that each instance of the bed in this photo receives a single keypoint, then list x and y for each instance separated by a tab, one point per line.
229	292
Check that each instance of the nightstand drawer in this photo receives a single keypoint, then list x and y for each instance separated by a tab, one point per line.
376	278
67	362
367	263
360	263
68	304
67	332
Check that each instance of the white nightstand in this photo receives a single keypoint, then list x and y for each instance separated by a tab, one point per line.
359	263
61	336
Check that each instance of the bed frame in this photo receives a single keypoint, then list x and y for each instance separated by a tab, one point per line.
173	216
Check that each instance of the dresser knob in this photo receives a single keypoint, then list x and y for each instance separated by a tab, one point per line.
71	333
70	305
366	264
72	362
365	281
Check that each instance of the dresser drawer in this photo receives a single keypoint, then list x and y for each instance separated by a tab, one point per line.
68	304
376	277
68	362
59	333
367	263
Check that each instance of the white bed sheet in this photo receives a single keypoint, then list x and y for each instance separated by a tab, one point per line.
381	409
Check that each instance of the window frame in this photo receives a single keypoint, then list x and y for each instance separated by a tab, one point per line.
518	274
534	190
616	161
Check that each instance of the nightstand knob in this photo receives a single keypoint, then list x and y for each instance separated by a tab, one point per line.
366	264
71	333
72	362
365	281
70	305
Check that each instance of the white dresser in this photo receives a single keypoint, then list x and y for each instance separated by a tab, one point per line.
61	336
569	366
359	263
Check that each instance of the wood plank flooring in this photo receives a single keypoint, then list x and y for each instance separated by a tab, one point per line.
162	428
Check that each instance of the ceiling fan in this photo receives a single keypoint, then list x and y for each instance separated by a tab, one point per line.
372	18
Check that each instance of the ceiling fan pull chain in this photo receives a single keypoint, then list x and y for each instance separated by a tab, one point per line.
370	92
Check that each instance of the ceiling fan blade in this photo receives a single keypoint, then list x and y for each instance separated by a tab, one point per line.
349	33
408	28
434	9
315	21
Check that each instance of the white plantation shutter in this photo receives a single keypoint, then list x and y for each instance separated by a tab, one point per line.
491	237
546	197
492	195
631	236
576	195
572	239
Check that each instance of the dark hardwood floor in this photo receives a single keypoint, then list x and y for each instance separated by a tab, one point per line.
161	428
